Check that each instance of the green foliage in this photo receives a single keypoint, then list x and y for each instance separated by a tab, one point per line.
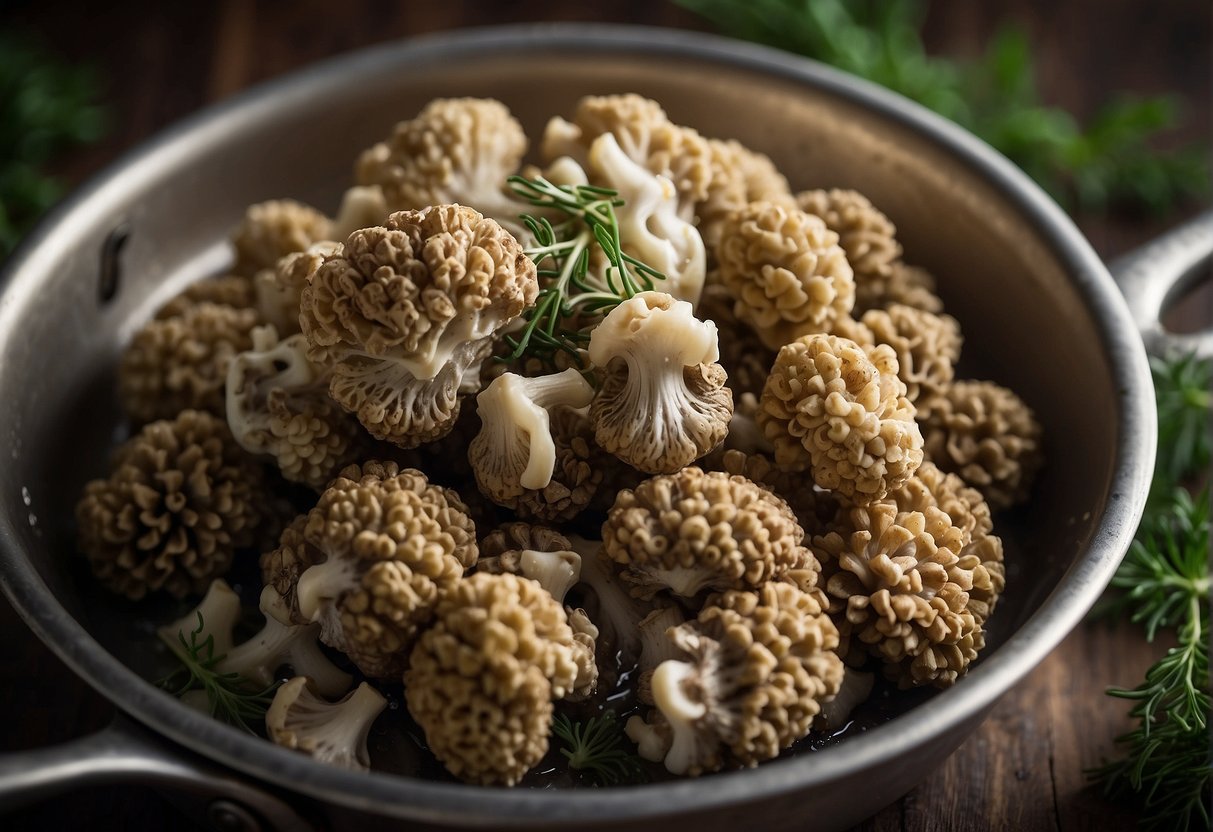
231	697
599	748
571	298
1165	578
1105	164
46	106
1181	391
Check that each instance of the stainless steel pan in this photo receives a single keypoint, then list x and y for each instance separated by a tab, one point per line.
1040	313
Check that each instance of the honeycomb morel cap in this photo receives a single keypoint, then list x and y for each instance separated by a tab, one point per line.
786	271
840	410
482	679
760	666
406	309
381	546
180	363
739	176
693	531
900	592
987	435
927	345
181	501
867	235
271	230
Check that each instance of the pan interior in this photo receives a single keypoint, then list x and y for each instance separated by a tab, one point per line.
1026	325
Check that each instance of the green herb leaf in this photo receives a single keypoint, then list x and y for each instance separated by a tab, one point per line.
572	298
1108	163
231	697
599	748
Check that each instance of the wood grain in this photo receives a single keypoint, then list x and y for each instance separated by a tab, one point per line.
1023	770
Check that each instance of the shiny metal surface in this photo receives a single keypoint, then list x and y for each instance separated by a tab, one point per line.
1040	312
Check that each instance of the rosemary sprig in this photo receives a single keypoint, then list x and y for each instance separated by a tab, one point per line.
571	297
231	697
1167	761
1105	164
599	748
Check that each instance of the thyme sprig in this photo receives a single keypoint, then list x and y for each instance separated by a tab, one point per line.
230	696
598	747
571	296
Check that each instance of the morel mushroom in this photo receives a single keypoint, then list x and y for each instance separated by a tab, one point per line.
332	732
271	230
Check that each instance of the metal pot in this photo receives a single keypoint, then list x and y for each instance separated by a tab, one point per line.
1040	312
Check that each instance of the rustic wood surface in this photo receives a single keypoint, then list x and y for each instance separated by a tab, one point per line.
1023	769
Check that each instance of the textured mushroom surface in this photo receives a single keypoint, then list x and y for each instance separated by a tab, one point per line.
743	355
987	435
481	680
694	531
332	732
278	404
271	230
181	500
533	450
786	271
814	509
384	545
179	363
456	150
867	235
278	290
739	176
841	411
761	665
908	285
899	591
228	290
405	310
662	402
645	134
927	345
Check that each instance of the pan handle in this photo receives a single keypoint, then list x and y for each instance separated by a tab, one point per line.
1152	274
124	752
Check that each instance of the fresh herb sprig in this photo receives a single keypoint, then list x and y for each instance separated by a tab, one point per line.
598	747
571	296
1105	164
1165	578
231	697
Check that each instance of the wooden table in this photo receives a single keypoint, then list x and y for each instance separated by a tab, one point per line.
1023	769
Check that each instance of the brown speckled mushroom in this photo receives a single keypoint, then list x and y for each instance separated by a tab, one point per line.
739	176
404	311
900	592
697	531
866	234
179	363
662	402
987	435
645	134
759	667
482	679
927	345
381	546
278	404
181	500
840	411
271	230
532	453
786	271
456	150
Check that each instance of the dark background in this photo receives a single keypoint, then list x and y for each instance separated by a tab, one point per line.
160	61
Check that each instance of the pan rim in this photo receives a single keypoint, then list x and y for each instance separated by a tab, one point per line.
435	801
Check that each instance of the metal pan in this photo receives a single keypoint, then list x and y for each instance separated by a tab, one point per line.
1040	311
